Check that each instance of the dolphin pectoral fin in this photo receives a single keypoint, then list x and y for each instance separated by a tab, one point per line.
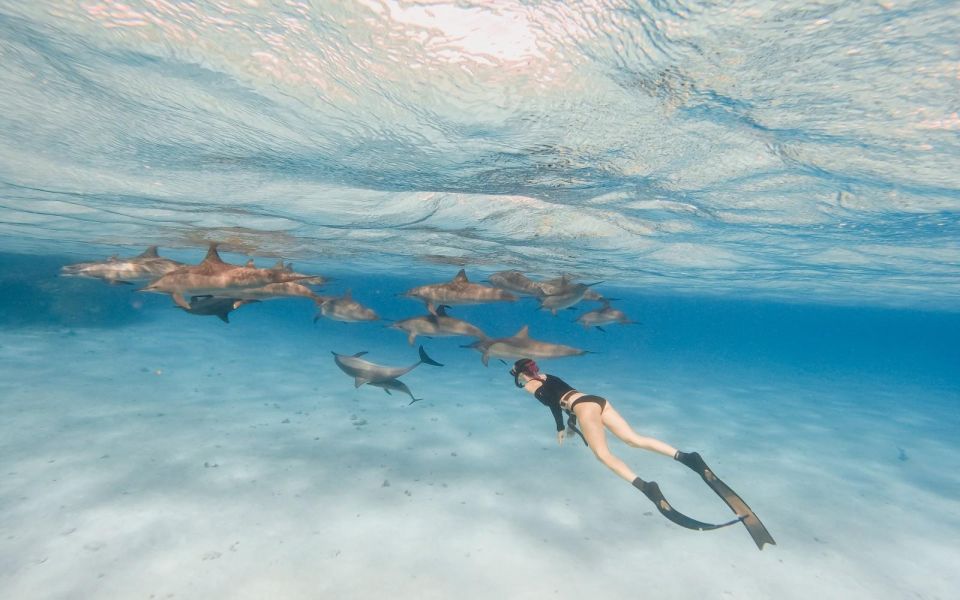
118	282
601	329
571	308
180	300
358	381
224	316
485	359
553	311
410	338
503	361
359	354
387	391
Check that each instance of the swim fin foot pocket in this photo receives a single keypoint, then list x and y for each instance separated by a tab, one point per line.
750	520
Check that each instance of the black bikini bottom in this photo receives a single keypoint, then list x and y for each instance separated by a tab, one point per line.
599	400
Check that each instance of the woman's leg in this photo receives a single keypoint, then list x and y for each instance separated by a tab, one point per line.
619	427
591	424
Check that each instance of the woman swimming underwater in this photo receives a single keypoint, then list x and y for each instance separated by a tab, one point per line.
595	413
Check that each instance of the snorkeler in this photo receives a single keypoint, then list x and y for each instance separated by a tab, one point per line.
594	413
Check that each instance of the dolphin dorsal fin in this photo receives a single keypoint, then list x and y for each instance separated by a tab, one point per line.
250	264
359	354
461	277
150	252
524	332
212	255
442	310
279	266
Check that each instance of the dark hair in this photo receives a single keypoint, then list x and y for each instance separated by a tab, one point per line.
526	366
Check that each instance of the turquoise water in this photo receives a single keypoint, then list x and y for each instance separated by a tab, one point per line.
771	192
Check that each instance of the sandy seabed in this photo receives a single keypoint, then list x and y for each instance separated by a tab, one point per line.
161	461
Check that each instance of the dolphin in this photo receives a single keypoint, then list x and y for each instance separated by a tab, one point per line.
559	285
344	308
515	281
317	280
211	305
364	371
397	386
289	289
459	291
436	324
214	277
565	298
603	316
144	267
521	345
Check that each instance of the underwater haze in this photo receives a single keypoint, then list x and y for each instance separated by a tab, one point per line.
770	192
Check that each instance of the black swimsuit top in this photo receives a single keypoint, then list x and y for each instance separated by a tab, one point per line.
550	393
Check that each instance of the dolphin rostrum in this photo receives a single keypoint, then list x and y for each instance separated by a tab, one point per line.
364	371
211	305
213	277
436	324
521	345
144	267
459	291
397	386
603	316
344	308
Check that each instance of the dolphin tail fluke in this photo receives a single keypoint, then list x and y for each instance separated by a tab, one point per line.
426	359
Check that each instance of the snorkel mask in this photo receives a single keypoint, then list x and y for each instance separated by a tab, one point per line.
524	366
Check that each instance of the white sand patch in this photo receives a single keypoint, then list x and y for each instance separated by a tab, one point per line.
176	459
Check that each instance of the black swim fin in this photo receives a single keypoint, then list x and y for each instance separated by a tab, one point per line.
572	426
651	490
750	520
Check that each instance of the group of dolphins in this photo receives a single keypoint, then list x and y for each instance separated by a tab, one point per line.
215	287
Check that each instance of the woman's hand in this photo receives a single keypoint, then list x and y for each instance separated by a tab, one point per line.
560	436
